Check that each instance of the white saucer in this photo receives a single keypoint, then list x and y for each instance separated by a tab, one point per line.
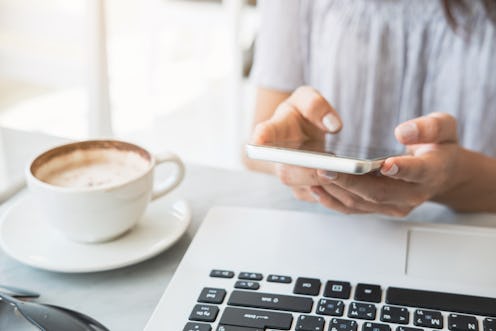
25	237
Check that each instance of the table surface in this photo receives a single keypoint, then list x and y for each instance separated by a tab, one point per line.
124	299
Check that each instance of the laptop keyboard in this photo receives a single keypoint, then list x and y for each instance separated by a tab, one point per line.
309	304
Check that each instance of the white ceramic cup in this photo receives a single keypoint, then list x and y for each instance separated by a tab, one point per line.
99	211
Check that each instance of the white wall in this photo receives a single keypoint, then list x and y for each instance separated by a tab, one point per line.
170	64
41	41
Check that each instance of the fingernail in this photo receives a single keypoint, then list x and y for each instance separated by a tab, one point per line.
315	196
331	123
408	132
393	170
327	174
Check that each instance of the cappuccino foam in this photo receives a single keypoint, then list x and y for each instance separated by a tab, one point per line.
93	168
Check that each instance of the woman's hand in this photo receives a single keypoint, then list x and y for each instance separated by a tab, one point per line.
304	115
426	173
429	171
436	168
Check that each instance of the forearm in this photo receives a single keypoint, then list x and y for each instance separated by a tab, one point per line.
474	188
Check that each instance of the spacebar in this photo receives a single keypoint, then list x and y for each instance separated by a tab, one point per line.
458	303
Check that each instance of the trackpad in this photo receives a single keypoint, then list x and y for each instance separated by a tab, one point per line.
452	256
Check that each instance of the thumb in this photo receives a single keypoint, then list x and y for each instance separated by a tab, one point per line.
285	125
315	108
435	128
263	133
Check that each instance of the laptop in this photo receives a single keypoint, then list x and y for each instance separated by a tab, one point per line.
257	269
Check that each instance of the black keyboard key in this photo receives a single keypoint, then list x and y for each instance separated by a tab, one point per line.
250	276
407	328
247	285
204	313
221	273
307	286
462	323
257	319
330	307
399	315
489	324
428	318
236	328
456	303
279	279
364	311
339	324
309	323
191	326
375	327
212	295
337	289
368	293
270	301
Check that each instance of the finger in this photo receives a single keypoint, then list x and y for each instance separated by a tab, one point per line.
263	133
304	105
355	202
331	202
433	128
314	107
408	168
428	165
381	190
284	126
299	176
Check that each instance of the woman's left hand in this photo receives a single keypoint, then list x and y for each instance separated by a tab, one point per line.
427	171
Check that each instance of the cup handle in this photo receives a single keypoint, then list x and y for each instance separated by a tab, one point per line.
171	183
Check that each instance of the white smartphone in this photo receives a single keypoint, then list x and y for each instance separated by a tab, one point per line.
323	154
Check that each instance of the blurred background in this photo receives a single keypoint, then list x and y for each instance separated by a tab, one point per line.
168	74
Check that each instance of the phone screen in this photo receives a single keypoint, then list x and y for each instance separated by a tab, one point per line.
329	145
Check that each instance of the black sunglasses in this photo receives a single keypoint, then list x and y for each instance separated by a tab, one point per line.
16	314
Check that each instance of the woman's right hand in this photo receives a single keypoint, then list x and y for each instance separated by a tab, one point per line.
303	116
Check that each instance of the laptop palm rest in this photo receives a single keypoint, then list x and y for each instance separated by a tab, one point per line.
451	256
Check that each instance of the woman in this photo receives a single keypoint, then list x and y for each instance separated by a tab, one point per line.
421	73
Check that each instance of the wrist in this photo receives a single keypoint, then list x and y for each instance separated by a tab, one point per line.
459	176
463	171
473	187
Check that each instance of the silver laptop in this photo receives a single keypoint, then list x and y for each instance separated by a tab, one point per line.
254	270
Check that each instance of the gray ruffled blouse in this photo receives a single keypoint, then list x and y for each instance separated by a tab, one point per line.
381	62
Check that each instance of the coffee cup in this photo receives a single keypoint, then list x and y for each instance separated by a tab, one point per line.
96	190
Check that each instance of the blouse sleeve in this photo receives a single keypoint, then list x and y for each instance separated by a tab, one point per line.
278	49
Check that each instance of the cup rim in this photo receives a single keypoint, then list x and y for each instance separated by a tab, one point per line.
57	150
